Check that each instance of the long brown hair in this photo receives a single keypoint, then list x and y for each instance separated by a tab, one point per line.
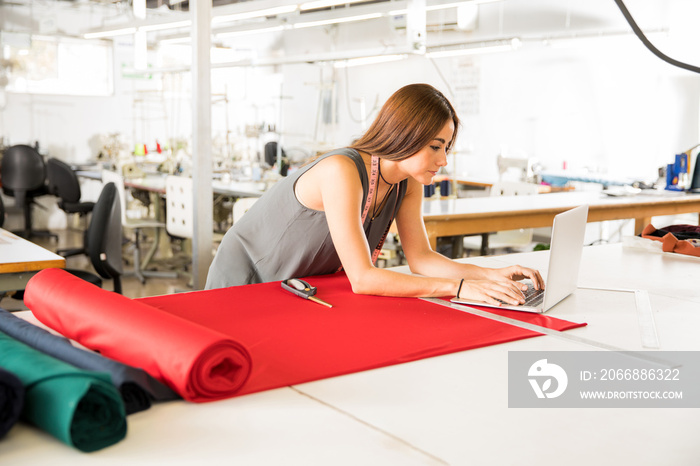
407	122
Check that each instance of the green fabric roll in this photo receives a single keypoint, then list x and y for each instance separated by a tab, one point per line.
80	408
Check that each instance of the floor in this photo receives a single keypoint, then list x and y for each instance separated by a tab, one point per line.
131	286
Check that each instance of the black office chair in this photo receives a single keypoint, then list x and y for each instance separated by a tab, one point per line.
104	240
271	157
104	236
2	212
63	183
24	178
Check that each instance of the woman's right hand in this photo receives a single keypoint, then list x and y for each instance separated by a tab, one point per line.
492	292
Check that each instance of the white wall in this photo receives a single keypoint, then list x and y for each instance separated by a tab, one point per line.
610	109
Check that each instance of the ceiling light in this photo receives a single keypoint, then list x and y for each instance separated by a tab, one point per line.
164	26
187	23
280	10
315	5
249	32
369	60
346	19
110	33
458	4
176	40
444	6
475	49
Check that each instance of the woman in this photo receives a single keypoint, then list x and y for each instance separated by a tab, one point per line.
324	216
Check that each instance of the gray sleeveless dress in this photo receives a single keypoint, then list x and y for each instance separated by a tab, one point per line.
279	238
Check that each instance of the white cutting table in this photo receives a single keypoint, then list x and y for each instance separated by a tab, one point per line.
451	409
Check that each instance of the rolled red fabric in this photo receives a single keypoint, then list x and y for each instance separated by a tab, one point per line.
199	363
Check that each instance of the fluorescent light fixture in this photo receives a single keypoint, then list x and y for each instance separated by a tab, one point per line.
497	46
176	40
249	32
458	4
468	51
280	10
346	19
444	6
164	26
325	4
187	23
369	60
110	33
131	30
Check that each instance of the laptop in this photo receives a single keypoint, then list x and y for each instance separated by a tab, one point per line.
564	261
695	180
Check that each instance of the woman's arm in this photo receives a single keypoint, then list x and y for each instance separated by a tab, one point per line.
424	261
334	182
335	185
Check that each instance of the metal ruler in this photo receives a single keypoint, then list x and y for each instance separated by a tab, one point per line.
645	315
525	325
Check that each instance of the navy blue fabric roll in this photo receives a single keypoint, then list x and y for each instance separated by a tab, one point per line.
137	388
11	400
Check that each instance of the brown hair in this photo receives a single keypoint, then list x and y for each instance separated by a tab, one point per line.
407	122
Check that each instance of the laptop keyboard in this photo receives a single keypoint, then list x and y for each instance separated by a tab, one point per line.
533	297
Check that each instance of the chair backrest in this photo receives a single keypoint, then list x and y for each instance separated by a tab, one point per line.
109	176
180	206
104	235
23	169
62	180
271	149
271	153
2	212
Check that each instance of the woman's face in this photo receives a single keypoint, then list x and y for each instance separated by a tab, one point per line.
424	164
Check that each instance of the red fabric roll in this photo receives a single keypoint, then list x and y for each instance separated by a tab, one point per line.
199	363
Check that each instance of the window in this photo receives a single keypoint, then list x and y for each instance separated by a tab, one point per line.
46	65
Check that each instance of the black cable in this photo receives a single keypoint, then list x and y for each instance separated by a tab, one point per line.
638	32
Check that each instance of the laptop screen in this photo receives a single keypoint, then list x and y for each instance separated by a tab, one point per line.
695	181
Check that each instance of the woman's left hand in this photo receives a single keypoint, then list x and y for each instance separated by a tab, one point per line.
517	273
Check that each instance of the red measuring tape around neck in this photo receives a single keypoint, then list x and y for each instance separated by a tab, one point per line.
373	180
